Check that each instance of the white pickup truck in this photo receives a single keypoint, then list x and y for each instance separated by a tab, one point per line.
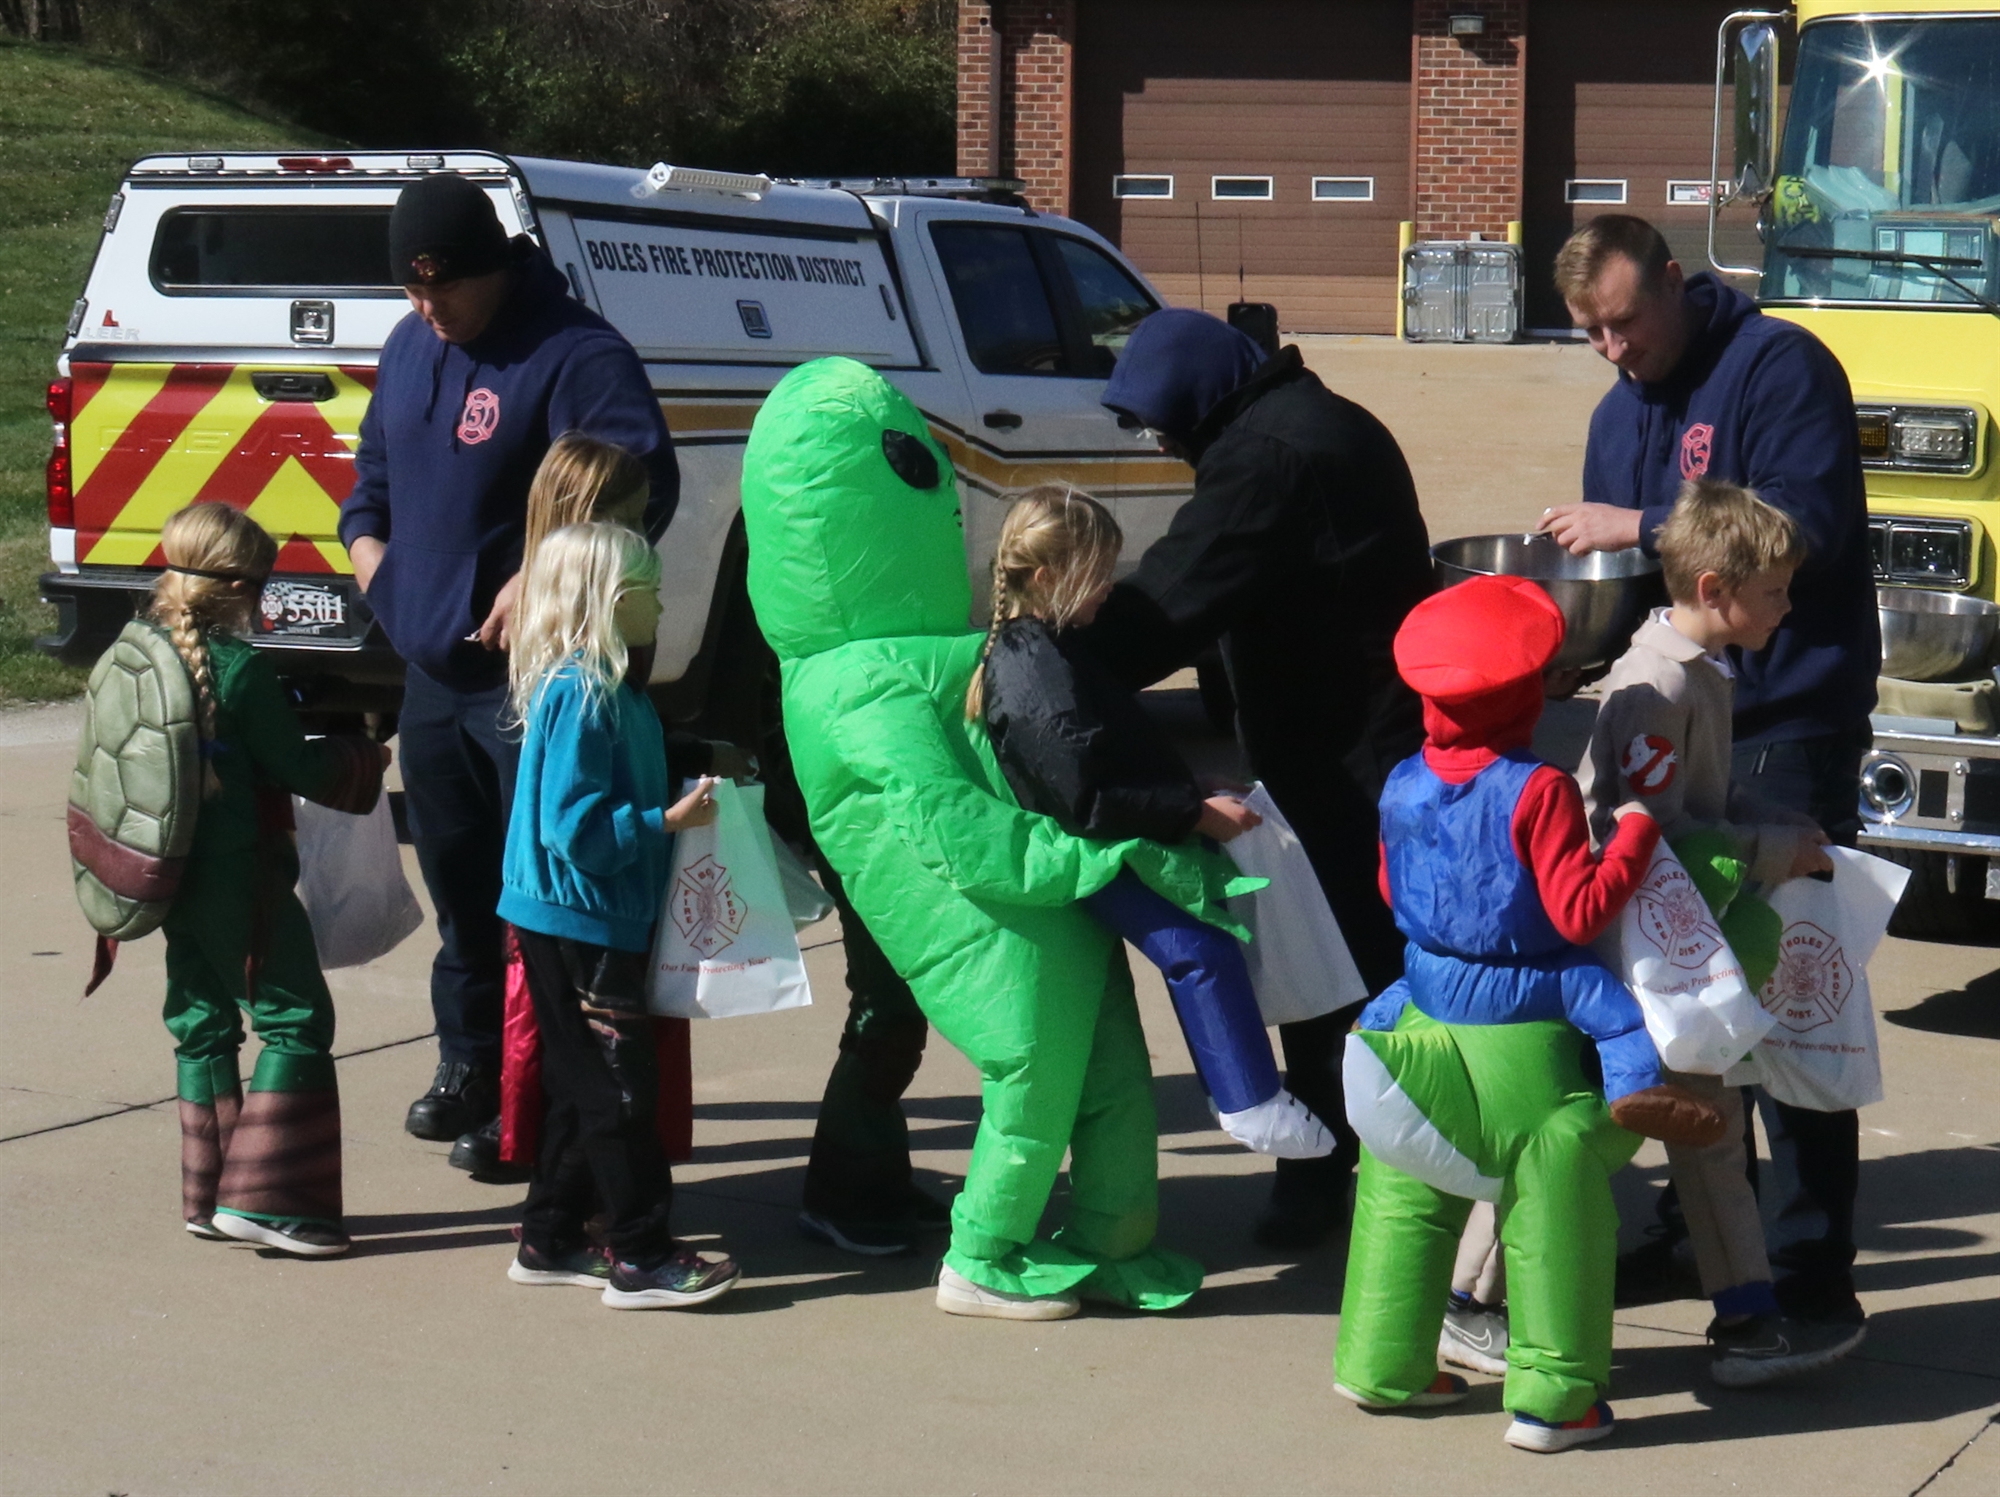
225	345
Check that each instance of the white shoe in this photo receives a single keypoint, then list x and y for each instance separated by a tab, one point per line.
1281	1126
1475	1337
958	1295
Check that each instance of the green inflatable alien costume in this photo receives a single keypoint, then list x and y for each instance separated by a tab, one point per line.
857	573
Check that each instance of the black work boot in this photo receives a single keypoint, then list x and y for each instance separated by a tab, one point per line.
478	1154
1308	1202
462	1097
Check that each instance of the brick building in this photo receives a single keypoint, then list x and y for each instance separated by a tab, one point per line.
1279	144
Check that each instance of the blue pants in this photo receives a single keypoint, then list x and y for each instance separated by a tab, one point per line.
458	782
1210	986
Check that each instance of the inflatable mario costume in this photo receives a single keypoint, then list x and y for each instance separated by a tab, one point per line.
1471	1078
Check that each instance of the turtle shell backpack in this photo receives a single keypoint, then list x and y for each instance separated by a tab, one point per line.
136	789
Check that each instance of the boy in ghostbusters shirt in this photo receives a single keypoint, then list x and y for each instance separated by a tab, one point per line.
1663	738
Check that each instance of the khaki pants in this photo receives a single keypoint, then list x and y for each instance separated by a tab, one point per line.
1720	1208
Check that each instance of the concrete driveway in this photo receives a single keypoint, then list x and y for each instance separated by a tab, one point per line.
137	1360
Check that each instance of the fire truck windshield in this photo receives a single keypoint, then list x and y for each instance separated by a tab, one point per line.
1888	180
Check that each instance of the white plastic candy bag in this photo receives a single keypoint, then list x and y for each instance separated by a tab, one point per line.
1670	952
726	944
351	883
1299	962
1822	1052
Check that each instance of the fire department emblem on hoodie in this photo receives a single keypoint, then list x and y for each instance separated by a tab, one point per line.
481	417
1649	763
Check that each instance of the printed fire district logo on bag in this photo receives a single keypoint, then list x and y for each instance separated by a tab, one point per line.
1649	763
1675	918
1813	981
705	909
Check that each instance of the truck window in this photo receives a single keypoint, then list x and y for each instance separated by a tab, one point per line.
1113	303
1002	301
288	249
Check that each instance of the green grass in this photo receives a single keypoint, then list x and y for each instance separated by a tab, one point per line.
70	123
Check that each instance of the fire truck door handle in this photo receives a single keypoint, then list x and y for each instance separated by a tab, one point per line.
288	384
1001	420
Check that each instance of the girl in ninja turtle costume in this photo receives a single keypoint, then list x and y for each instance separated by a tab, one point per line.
261	1167
857	572
1466	1079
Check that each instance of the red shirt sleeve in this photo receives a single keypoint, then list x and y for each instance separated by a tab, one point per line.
1581	892
1382	873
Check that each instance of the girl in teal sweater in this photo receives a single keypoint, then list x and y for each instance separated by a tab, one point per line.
589	848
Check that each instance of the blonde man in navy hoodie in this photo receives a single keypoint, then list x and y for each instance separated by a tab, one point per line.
1709	387
495	361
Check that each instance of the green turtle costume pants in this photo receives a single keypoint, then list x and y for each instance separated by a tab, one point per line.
275	1152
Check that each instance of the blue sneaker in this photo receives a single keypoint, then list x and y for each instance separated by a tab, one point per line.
1445	1388
1529	1433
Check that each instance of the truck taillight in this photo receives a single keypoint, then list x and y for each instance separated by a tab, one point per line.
62	498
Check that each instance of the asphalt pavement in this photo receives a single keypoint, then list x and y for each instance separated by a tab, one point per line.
137	1360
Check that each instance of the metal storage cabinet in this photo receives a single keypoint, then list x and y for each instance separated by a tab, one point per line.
1461	292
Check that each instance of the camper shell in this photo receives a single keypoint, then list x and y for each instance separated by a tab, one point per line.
225	345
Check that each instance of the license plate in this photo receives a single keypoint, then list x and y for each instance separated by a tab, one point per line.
291	609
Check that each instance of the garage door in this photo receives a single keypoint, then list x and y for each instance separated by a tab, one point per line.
1621	99
1270	137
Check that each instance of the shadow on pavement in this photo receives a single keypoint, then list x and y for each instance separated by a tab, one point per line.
1973	1010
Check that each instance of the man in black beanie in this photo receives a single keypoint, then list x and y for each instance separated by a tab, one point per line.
495	361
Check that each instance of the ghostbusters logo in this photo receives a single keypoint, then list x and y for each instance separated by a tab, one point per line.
1649	763
481	417
1813	981
1697	442
1674	918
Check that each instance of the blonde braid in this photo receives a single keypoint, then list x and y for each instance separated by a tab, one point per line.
213	538
975	693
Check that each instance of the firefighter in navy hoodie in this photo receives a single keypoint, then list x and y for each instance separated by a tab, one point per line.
494	362
1709	387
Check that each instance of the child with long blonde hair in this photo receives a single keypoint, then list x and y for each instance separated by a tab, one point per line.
262	1168
589	849
1074	744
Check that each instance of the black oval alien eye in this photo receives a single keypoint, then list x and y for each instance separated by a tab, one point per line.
912	459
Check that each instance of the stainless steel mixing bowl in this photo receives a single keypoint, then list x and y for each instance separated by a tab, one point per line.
1603	596
1929	636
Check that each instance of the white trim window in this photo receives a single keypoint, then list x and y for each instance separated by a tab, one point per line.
1594	190
1688	194
1143	185
1240	189
1343	189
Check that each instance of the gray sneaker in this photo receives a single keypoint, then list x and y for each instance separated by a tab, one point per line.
1765	1348
1474	1336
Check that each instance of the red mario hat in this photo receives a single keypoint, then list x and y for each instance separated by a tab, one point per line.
1482	636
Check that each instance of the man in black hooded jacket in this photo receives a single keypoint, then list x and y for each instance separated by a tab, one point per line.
1301	550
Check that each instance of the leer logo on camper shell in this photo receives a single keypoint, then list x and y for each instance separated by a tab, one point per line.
1813	981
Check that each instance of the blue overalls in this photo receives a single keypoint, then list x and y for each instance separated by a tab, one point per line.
1482	949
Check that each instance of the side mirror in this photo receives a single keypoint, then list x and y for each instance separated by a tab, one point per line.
1756	57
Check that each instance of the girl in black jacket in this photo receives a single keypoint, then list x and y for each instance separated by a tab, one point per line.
1076	746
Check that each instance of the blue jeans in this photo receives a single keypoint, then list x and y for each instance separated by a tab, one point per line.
1815	1156
458	782
1209	984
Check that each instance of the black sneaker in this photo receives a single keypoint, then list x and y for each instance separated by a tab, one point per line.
869	1239
462	1097
478	1154
685	1279
587	1266
1765	1348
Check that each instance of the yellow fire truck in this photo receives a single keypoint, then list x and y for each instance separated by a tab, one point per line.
1878	209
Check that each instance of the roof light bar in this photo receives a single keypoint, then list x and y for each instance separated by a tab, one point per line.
665	178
